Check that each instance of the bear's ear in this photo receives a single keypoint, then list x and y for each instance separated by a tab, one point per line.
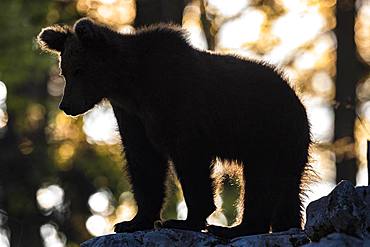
88	32
52	38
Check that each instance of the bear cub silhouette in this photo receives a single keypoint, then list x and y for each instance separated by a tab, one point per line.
177	103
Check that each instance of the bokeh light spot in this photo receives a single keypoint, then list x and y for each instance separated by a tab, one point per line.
100	125
105	11
50	197
26	146
3	118
322	83
51	237
65	152
115	13
226	8
321	117
107	1
97	225
365	110
3	92
182	210
127	208
100	202
4	238
246	29
217	218
362	33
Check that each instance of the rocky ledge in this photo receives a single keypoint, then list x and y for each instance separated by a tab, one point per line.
339	219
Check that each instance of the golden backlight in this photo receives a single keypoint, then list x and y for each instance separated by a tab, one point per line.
297	36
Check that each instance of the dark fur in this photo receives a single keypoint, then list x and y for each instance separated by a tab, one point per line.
174	102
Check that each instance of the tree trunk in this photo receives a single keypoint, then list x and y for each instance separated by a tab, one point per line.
348	73
154	11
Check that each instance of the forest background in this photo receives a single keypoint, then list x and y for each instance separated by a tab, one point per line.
62	179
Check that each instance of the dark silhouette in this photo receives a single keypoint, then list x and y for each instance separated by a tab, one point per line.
190	106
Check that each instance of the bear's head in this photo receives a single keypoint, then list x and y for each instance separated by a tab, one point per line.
83	63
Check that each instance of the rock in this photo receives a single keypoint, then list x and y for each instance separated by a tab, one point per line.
162	237
174	237
339	240
344	210
339	219
293	237
364	193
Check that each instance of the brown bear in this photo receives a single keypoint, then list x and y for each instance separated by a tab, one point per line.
176	103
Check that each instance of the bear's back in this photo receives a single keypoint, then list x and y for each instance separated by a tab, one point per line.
215	93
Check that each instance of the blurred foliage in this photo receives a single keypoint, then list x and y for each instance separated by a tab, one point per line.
32	155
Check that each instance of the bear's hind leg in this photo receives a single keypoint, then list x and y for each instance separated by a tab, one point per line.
197	186
287	212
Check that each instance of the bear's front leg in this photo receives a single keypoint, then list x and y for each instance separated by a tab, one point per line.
147	170
194	173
